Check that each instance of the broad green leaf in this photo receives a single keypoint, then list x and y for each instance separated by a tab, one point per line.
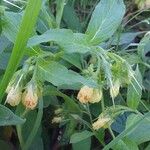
69	41
4	58
11	27
4	43
58	74
84	144
135	90
125	38
74	59
144	48
105	20
70	17
7	117
77	137
133	125
56	35
26	28
141	131
125	144
78	45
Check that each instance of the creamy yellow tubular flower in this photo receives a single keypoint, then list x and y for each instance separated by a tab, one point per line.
14	96
87	94
30	97
57	119
101	123
114	90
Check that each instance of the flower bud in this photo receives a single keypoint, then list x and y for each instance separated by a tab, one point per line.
58	111
114	90
14	96
30	96
14	81
57	120
101	123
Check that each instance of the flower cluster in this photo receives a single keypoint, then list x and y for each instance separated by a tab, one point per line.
89	95
29	97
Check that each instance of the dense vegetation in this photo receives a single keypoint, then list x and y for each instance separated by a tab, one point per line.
75	74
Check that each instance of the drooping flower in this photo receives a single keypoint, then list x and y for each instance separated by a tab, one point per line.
14	96
30	96
87	94
102	122
114	89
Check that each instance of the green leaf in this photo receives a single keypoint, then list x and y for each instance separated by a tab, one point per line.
11	27
125	38
77	137
78	45
4	58
7	117
84	144
105	20
69	41
70	17
58	74
134	92
4	43
125	144
141	131
144	48
56	35
74	59
25	31
128	130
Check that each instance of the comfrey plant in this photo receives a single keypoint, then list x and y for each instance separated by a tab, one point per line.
101	82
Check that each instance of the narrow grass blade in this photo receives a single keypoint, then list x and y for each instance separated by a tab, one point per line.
26	28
